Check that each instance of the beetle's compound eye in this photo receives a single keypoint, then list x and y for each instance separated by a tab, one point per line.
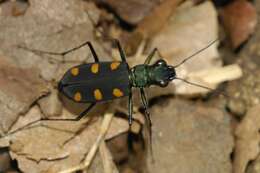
163	83
161	62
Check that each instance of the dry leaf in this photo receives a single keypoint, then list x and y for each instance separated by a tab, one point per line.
247	142
19	88
191	29
189	137
51	105
57	145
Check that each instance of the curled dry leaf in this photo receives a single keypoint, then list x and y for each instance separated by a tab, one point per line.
239	19
248	138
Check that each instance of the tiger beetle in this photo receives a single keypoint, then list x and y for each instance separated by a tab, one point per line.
103	81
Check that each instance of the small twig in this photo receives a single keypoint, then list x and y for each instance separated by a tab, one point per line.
91	154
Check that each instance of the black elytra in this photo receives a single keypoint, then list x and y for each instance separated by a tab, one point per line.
96	82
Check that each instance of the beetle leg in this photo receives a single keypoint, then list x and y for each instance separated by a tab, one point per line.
84	113
147	120
93	51
82	45
67	51
121	51
145	103
130	108
81	115
151	55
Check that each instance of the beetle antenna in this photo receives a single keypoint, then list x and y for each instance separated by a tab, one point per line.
198	85
191	56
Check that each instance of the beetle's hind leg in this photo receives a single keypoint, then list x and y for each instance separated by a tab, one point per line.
31	124
81	115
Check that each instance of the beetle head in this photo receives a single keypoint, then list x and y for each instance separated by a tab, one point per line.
162	73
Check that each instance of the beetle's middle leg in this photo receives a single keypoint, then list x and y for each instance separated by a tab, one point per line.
130	108
147	120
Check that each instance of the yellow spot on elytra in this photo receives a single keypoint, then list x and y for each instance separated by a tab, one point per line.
98	94
77	96
74	71
114	65
117	92
94	68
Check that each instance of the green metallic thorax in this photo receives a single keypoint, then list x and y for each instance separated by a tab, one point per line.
140	76
144	75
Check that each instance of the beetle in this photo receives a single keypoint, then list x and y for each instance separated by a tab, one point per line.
102	81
